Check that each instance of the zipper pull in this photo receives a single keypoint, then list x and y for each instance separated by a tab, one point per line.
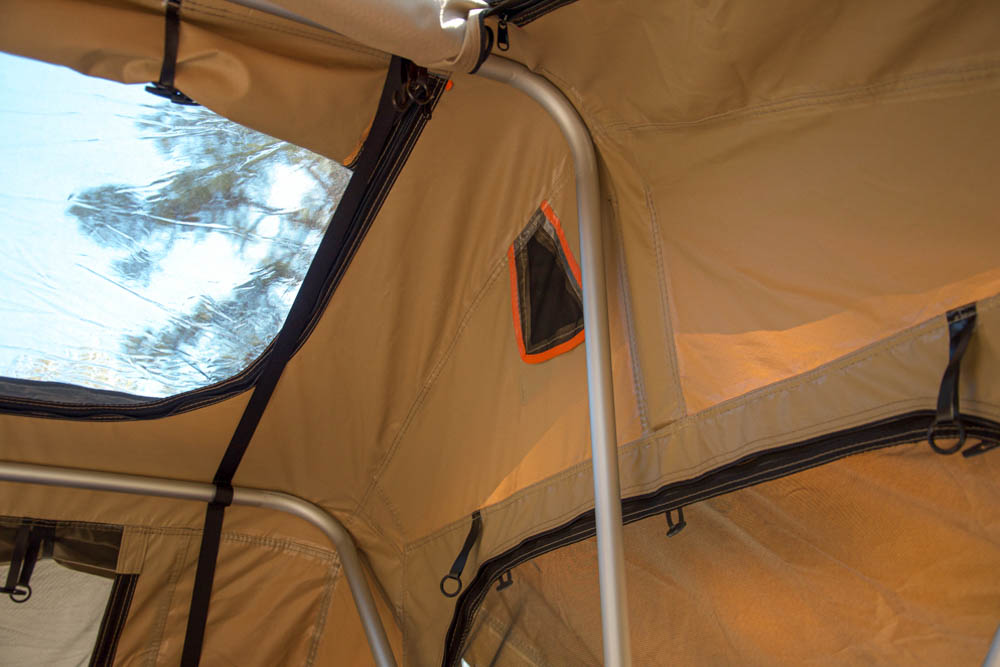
503	38
674	528
506	580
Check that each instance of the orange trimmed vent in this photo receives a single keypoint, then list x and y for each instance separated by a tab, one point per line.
545	289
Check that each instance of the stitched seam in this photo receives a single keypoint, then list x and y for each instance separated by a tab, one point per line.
432	377
896	440
403	624
332	577
160	625
330	38
393	512
697	419
914	82
638	379
528	652
668	331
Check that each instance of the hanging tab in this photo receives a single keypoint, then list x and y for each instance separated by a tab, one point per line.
675	527
165	86
948	419
506	581
30	542
18	592
455	574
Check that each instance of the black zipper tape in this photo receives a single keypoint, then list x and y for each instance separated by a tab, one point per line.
334	254
751	470
523	12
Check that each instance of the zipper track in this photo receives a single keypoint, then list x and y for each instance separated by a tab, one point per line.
751	470
523	12
398	148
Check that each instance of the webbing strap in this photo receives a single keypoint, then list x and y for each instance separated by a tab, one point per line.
961	325
455	573
164	87
334	250
194	636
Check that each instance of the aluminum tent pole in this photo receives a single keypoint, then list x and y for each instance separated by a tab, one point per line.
274	500
993	657
603	440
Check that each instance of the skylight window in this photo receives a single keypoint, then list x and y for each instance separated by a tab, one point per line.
149	248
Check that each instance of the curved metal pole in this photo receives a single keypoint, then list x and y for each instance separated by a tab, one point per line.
274	500
603	440
993	657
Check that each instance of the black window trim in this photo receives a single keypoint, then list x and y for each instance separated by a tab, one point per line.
61	401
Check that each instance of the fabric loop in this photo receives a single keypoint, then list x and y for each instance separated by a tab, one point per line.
961	324
455	573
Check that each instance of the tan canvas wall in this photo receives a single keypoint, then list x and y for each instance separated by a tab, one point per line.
300	84
797	172
794	197
882	558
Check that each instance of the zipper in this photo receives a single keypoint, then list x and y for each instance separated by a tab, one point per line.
421	92
748	471
522	12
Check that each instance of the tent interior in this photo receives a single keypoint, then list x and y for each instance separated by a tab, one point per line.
329	258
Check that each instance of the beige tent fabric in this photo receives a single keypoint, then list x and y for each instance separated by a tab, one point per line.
296	83
795	173
440	34
885	558
898	376
795	196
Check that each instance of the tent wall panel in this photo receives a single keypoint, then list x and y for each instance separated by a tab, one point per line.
881	558
303	85
894	377
795	194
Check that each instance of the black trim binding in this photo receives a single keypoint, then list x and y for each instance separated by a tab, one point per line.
404	107
748	471
523	12
365	193
114	620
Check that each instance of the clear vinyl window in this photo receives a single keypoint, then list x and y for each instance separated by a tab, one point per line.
149	248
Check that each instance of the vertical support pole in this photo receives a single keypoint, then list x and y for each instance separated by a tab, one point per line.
603	438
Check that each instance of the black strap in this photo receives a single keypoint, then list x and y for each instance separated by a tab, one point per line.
455	573
208	554
961	324
13	587
332	253
164	87
30	542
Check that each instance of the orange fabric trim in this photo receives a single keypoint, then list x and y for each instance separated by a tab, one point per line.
565	346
